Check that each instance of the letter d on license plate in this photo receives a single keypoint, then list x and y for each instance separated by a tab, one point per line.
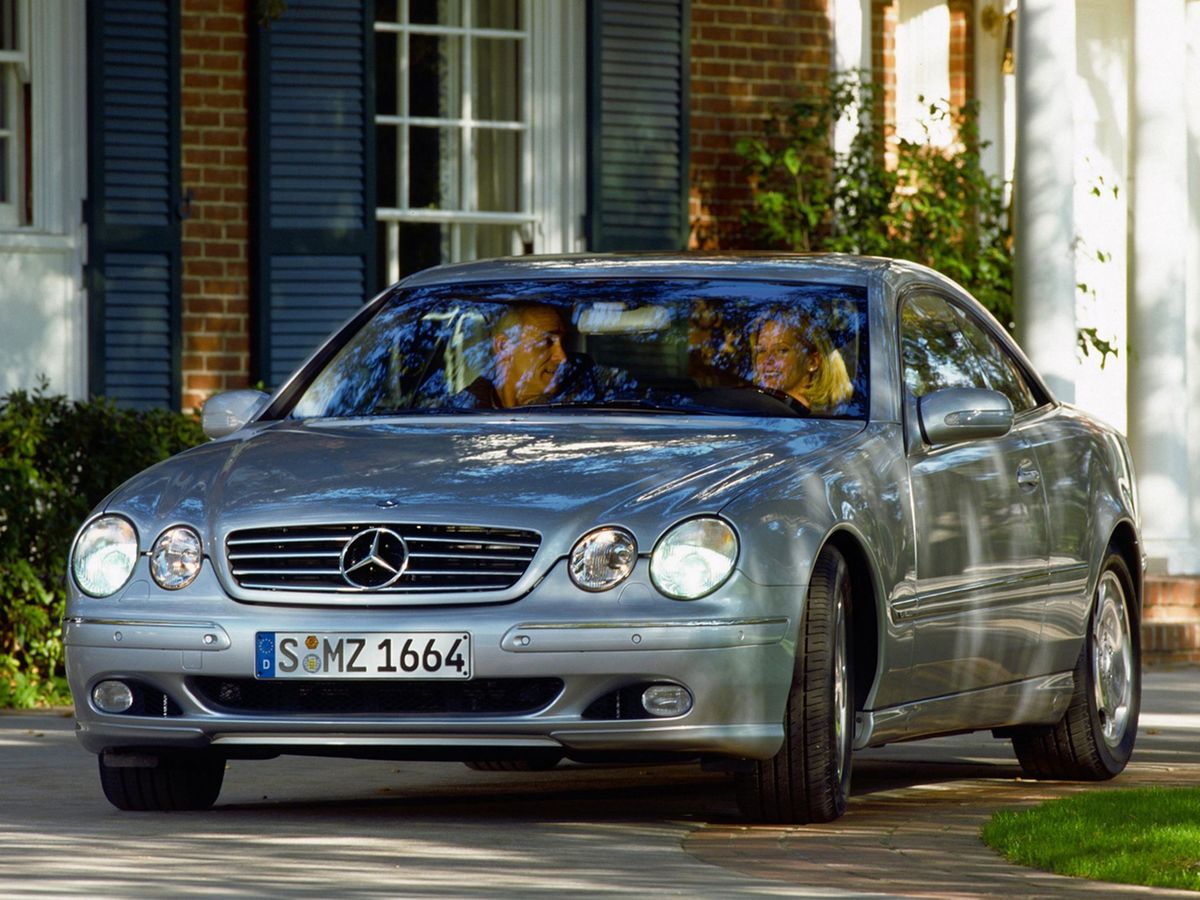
425	655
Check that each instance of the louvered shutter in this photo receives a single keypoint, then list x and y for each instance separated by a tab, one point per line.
638	134
313	215
133	189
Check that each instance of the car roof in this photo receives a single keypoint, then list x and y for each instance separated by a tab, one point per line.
832	267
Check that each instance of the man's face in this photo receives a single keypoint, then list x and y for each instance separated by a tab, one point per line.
529	354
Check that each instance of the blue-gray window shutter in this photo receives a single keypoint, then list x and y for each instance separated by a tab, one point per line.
134	278
638	124
313	209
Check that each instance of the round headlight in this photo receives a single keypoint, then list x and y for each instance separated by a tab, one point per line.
694	558
175	558
603	558
104	554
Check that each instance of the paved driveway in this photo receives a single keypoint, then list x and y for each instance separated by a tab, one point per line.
916	811
311	827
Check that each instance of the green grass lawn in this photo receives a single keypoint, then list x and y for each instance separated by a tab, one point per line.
1148	836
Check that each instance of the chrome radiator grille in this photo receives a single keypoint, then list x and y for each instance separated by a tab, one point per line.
439	558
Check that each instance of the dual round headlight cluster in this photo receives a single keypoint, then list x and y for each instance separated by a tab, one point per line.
107	550
691	560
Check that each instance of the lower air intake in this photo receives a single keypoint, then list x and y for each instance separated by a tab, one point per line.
330	699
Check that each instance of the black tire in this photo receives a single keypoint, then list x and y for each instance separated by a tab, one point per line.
1094	739
176	783
536	763
808	780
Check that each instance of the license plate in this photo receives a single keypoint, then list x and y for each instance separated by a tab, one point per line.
377	655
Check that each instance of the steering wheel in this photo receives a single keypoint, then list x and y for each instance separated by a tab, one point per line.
794	405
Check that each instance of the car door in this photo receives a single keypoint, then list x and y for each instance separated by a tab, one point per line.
979	511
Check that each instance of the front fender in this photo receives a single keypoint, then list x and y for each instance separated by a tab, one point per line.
859	498
863	488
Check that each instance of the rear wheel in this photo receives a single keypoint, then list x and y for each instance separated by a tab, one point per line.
176	782
808	780
1094	740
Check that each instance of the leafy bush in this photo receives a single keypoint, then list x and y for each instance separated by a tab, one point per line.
58	459
934	205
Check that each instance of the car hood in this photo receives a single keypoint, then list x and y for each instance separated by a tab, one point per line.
559	475
545	473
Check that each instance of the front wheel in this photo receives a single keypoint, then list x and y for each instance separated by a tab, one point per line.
171	783
1094	740
808	780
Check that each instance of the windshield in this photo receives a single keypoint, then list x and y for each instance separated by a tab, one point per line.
687	346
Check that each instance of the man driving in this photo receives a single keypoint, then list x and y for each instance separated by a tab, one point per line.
527	358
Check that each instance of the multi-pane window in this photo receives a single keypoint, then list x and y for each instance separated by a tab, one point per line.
452	131
14	115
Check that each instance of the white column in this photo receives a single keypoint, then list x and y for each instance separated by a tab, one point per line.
1159	400
1192	77
1102	94
1045	175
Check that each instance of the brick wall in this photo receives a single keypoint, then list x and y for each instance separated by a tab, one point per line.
1171	619
883	63
216	283
748	59
962	52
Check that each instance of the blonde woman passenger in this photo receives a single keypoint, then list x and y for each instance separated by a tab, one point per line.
791	356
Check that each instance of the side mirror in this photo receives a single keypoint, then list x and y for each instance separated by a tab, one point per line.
964	414
225	413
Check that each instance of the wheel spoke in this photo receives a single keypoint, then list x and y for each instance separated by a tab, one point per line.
1112	659
841	700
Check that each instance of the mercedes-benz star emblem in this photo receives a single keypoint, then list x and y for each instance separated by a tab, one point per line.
374	559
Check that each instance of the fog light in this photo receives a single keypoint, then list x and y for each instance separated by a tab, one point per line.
666	700
112	696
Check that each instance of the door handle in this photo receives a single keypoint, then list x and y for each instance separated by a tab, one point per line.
1028	475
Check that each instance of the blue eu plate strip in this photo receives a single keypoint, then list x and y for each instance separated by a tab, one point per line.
264	653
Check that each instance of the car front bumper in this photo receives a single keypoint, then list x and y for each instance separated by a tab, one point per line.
733	652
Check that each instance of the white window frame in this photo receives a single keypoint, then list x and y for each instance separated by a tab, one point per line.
922	69
467	214
43	300
553	124
14	73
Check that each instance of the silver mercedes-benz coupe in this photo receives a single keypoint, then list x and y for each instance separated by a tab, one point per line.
752	511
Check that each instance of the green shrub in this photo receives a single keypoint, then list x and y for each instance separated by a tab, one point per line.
58	459
934	206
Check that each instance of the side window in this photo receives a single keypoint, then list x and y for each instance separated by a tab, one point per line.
944	346
936	353
999	369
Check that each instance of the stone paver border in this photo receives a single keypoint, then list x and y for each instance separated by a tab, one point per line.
920	838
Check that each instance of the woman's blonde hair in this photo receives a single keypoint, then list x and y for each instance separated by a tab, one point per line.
830	385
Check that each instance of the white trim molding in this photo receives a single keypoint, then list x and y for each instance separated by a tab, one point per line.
43	302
